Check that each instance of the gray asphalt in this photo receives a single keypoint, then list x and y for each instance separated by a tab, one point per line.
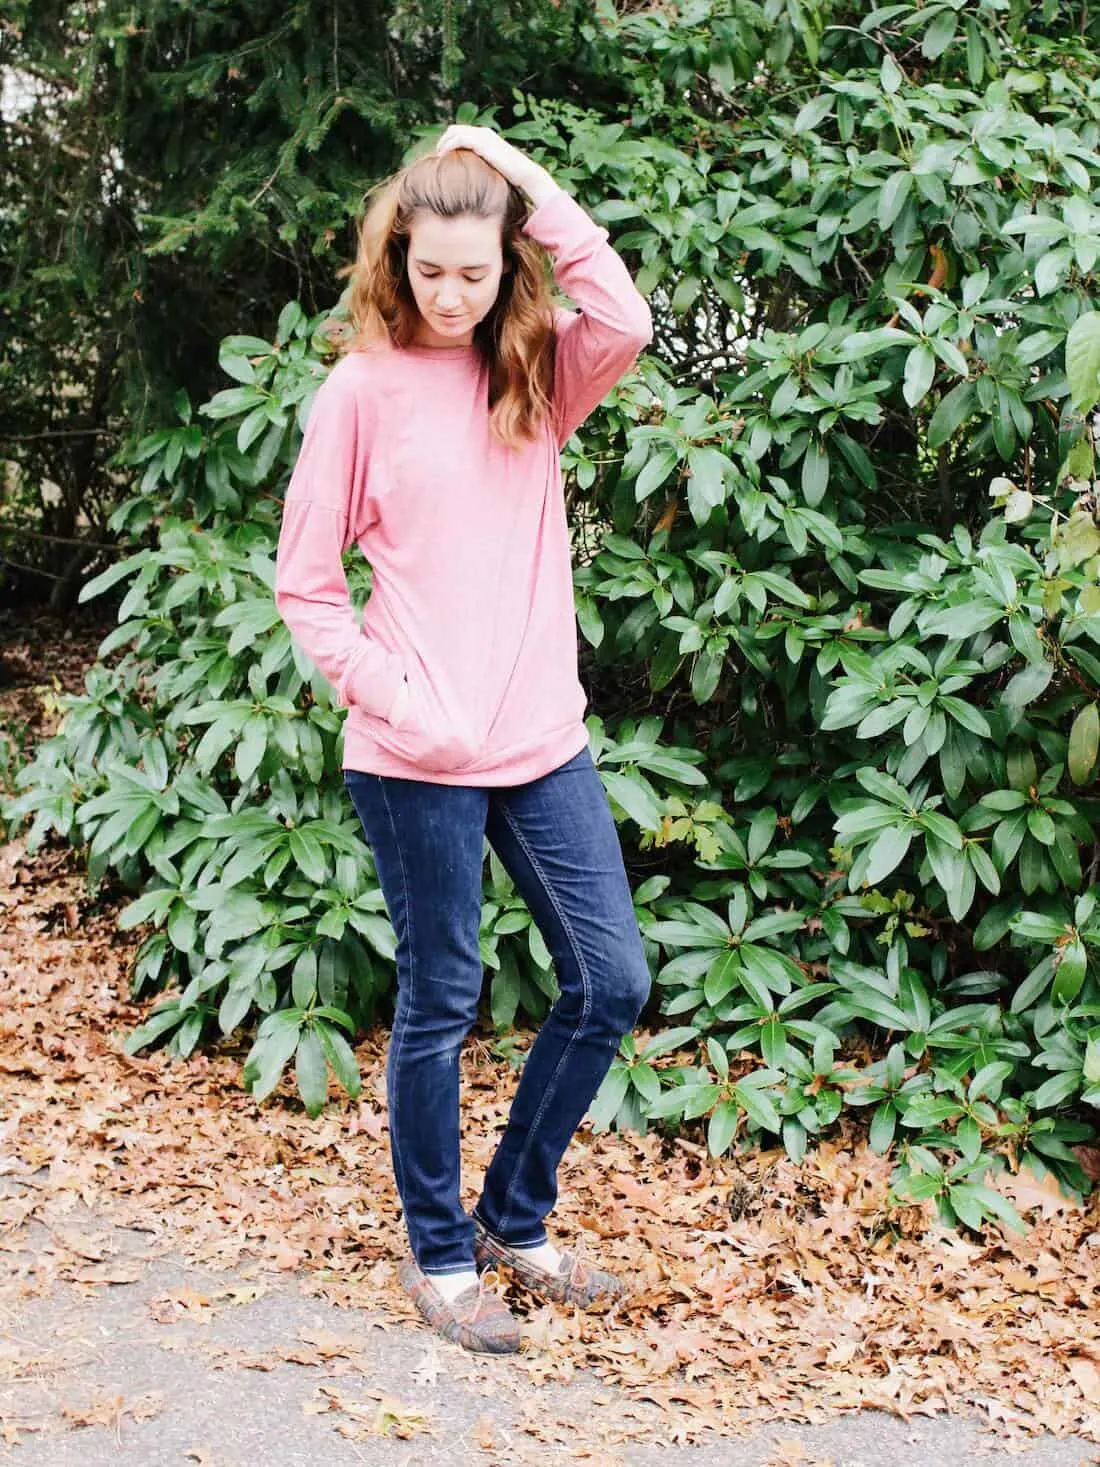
209	1408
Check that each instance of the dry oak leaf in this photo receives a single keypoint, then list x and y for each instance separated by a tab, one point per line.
109	1410
329	1345
1087	1378
390	1417
789	1453
1027	1190
190	1303
484	1435
394	1418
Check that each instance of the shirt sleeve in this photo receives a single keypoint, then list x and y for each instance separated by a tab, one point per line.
599	343
326	507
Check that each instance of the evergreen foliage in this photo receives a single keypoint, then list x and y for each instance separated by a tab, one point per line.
169	173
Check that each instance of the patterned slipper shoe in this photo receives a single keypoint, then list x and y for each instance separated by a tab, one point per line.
477	1320
577	1281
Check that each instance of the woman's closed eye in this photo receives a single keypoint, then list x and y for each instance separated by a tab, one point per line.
434	275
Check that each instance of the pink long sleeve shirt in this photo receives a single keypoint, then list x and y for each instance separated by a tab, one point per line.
465	669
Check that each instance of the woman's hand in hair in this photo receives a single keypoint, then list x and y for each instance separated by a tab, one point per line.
518	169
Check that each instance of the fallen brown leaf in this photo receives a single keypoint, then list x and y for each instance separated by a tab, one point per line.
765	1290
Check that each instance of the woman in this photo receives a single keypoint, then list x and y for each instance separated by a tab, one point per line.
434	444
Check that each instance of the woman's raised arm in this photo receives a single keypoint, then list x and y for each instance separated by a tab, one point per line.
597	345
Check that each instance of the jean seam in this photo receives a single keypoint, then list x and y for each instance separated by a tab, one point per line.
399	1036
586	1009
530	1243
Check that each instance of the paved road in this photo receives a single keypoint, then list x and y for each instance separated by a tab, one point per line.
176	1343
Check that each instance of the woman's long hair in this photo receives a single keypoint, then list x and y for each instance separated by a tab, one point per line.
517	335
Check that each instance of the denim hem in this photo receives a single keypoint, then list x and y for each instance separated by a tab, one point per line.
451	1268
531	1242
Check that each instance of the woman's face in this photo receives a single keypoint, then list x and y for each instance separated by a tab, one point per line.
455	267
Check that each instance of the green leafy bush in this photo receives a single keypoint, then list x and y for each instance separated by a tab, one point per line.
837	575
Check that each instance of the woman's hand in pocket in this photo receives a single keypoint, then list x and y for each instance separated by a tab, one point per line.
420	728
400	707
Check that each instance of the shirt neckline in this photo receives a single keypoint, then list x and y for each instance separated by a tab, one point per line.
441	353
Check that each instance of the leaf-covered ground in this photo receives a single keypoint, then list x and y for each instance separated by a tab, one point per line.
777	1290
766	1291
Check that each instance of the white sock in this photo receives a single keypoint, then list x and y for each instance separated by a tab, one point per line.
450	1285
543	1255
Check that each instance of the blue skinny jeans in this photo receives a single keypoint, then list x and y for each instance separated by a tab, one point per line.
557	839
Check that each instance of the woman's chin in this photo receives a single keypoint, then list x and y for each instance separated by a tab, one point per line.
438	331
460	326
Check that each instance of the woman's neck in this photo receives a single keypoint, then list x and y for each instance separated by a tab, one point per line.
427	336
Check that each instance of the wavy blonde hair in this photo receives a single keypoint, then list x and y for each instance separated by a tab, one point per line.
517	335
